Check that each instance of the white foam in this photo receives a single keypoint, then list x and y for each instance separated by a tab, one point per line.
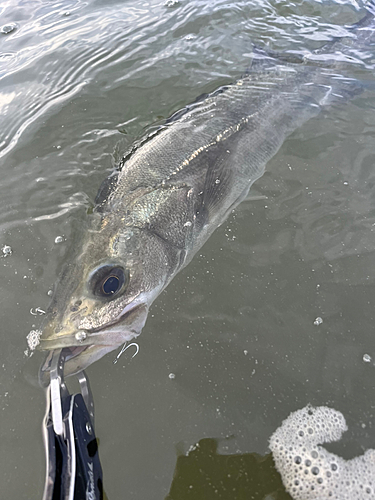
310	472
7	250
33	339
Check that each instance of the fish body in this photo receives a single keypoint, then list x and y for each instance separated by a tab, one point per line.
173	191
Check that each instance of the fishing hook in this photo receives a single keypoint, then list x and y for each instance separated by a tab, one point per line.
124	347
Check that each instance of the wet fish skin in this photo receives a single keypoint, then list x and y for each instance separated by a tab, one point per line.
172	193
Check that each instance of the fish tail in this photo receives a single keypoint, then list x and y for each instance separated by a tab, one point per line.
368	19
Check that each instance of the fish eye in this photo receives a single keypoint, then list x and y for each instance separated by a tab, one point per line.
108	281
111	285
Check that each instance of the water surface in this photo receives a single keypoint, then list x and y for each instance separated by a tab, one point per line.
230	348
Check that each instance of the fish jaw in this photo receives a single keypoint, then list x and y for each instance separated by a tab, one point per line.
76	360
84	347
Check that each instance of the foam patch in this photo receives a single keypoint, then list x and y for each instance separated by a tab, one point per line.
33	339
308	471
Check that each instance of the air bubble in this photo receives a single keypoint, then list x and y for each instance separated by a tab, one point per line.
172	376
7	250
8	28
367	358
59	239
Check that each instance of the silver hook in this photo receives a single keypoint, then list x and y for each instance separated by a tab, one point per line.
124	347
38	310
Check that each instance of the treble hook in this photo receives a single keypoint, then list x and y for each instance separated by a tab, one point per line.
124	347
38	310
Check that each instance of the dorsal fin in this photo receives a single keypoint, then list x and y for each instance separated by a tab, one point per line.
157	129
106	188
139	143
181	112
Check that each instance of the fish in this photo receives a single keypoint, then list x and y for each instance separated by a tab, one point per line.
178	184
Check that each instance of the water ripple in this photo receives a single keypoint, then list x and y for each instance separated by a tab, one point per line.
58	49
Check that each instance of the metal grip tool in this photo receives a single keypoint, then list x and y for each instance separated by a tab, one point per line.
73	470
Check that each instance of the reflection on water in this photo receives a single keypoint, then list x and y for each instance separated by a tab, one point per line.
203	474
79	81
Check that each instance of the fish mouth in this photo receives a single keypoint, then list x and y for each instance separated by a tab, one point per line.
128	324
70	353
81	348
75	358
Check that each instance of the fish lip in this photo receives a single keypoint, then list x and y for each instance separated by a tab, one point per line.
126	312
70	354
70	366
75	349
70	340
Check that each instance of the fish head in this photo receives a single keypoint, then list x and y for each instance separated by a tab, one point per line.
104	293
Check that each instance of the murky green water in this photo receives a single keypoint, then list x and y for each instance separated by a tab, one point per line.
81	80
